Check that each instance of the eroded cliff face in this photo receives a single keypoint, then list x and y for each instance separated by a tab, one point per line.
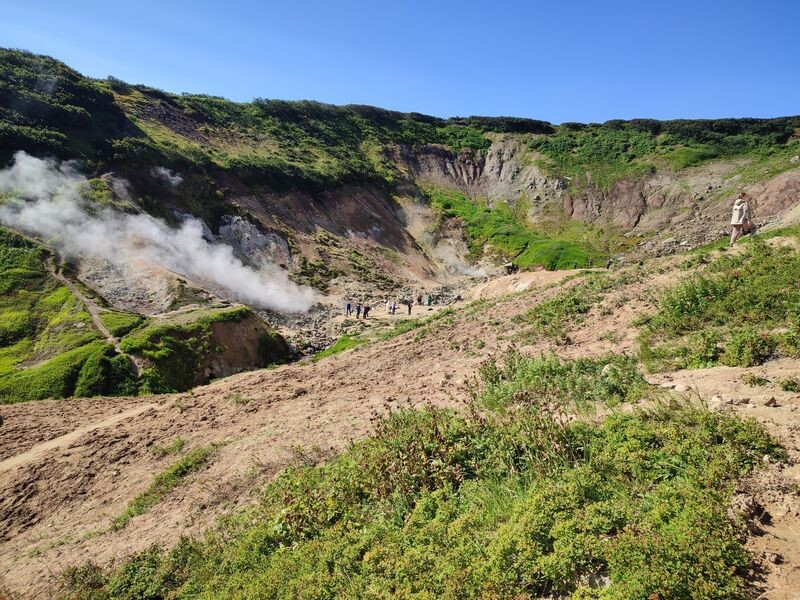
687	206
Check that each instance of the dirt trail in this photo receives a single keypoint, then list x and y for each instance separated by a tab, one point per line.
55	512
39	450
91	305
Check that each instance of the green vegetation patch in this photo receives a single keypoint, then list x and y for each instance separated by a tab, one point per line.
738	310
119	323
49	347
346	342
488	504
164	483
554	318
507	233
546	380
603	154
178	347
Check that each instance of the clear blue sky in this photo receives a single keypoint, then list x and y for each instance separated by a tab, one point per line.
557	60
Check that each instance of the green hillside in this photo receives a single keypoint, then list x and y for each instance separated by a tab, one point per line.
46	108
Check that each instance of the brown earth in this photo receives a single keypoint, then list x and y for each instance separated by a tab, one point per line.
69	467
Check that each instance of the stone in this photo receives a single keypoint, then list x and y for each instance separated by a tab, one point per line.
682	387
795	159
773	557
771	402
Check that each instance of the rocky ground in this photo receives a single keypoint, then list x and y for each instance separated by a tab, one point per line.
68	467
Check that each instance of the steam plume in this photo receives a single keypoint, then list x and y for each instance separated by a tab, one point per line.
44	200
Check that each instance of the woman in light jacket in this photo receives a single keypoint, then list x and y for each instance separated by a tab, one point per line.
742	218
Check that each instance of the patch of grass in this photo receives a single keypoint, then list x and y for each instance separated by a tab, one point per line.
163	483
508	234
486	504
548	381
238	399
554	317
755	380
424	324
790	384
120	324
346	342
739	310
174	447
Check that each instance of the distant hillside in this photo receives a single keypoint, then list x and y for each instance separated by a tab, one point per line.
367	202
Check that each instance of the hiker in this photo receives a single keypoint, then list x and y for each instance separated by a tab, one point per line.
394	307
367	308
574	264
348	308
430	299
358	310
742	218
590	262
409	303
419	299
609	263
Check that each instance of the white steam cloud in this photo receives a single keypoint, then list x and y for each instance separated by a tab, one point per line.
448	255
168	176
44	200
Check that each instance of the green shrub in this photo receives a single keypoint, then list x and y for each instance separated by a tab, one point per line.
748	348
105	373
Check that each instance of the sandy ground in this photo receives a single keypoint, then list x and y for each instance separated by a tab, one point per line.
67	468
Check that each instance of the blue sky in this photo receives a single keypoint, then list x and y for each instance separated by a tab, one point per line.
559	61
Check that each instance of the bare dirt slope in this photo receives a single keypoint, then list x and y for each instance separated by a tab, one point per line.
69	467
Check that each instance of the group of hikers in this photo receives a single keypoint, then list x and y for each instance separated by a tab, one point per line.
362	310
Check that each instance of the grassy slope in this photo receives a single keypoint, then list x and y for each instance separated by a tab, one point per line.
618	150
738	309
49	347
509	502
46	337
508	234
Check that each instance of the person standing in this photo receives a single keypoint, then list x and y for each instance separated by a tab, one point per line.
366	310
358	310
609	263
409	303
741	218
394	306
574	264
348	308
